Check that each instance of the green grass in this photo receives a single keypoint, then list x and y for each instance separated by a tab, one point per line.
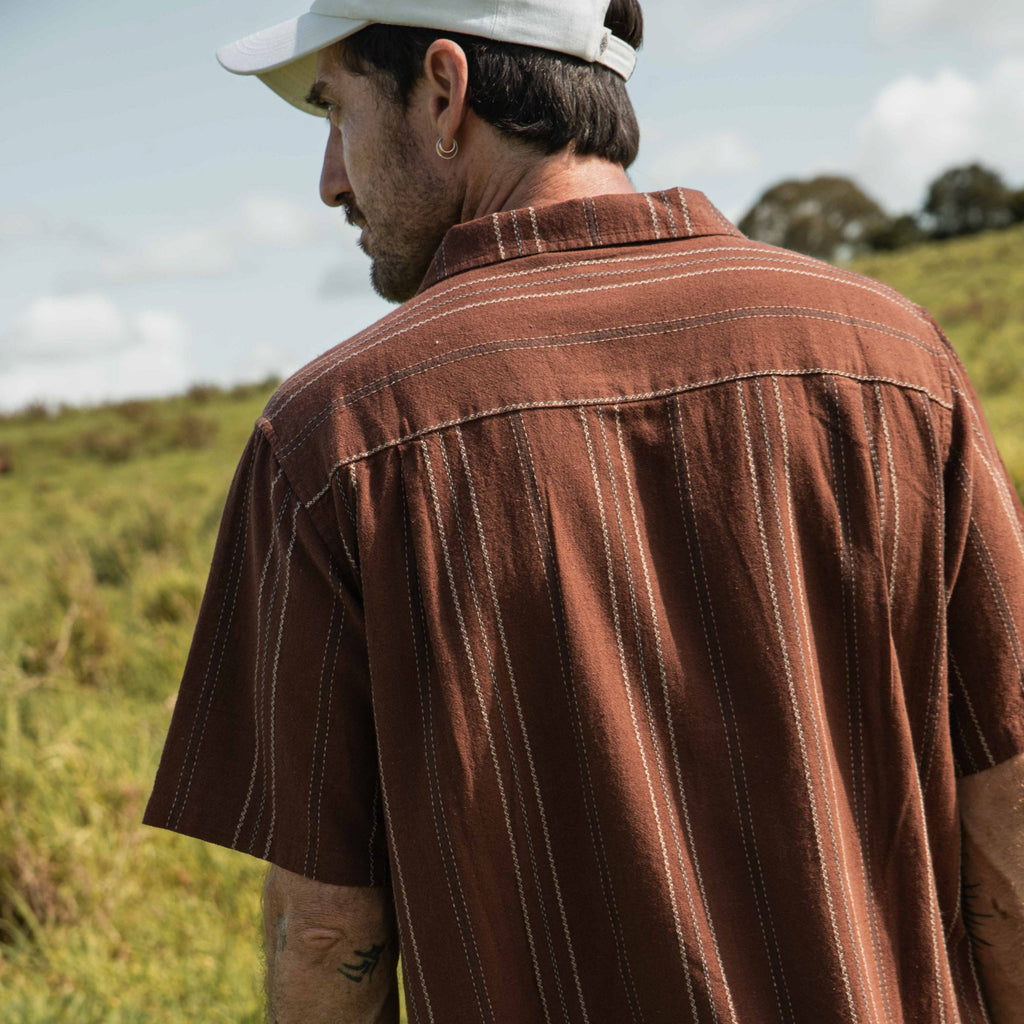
974	287
109	518
109	521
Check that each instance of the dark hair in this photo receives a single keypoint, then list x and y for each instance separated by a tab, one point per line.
545	99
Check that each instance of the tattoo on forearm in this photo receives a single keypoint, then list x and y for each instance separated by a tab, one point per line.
368	960
973	918
282	933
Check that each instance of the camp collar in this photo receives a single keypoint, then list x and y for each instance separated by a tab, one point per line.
591	223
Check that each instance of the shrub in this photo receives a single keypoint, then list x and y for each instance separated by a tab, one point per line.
256	389
201	394
36	411
191	432
144	416
104	445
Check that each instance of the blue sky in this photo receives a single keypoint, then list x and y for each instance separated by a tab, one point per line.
159	218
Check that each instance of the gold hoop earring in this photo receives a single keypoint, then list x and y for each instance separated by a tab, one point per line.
447	154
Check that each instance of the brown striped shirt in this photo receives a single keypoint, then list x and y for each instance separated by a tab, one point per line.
629	601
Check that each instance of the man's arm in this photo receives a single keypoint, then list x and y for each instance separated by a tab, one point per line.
992	815
331	951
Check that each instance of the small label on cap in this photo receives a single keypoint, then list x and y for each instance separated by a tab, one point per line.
605	40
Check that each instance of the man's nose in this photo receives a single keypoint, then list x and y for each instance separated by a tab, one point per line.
334	183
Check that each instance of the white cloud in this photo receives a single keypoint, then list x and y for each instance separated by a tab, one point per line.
999	23
713	29
84	348
216	250
919	127
277	221
732	26
198	252
720	154
28	225
62	327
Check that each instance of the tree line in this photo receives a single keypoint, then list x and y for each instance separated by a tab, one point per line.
833	218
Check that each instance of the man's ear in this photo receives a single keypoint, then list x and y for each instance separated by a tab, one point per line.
446	77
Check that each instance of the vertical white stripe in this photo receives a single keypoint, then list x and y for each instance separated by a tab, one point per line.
497	234
481	701
412	945
854	692
654	216
209	679
394	852
371	854
590	807
355	530
670	726
793	699
628	682
424	448
876	467
440	825
259	667
1007	499
671	216
936	675
991	570
686	212
894	483
536	230
273	681
934	909
513	216
977	984
969	704
526	738
716	658
822	739
326	680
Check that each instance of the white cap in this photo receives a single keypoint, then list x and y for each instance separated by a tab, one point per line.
284	57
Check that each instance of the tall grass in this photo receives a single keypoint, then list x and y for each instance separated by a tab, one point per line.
109	518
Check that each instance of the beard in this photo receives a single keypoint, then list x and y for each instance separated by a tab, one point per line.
402	238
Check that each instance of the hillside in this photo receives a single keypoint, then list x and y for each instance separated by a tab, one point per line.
974	287
109	517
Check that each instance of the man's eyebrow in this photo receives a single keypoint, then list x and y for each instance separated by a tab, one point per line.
316	94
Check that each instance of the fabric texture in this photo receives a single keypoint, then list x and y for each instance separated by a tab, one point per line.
629	602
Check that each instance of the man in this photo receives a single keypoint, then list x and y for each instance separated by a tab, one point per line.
607	628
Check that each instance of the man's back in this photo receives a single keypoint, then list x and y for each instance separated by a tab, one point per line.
633	555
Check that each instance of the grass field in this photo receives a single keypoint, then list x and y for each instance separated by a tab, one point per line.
108	521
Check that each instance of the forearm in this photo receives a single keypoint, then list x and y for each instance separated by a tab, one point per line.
993	863
329	965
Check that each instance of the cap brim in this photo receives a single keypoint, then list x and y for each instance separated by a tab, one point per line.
284	56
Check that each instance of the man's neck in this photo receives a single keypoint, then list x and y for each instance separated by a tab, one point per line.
553	179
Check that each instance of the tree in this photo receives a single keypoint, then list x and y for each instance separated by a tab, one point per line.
966	200
898	233
828	217
1017	206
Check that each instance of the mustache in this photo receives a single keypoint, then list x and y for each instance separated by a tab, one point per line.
353	215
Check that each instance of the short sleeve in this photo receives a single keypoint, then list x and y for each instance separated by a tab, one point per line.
986	599
272	749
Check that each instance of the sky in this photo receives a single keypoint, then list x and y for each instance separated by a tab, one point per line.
160	223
